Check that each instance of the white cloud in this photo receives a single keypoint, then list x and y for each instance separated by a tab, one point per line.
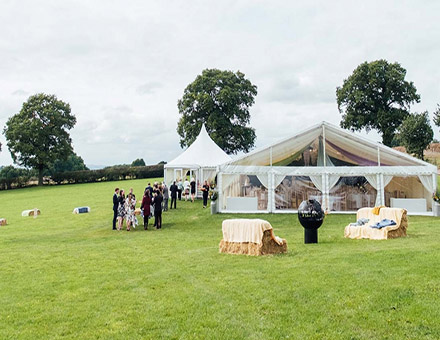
122	65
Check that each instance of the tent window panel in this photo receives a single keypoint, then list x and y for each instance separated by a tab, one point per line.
406	187
245	186
352	193
293	190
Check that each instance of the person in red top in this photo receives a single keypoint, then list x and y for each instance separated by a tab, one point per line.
145	207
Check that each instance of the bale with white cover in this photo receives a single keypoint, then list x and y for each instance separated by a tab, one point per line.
81	210
250	237
31	212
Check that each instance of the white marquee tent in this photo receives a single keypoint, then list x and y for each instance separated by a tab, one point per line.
339	169
200	159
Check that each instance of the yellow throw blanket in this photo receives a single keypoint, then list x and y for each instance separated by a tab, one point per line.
376	210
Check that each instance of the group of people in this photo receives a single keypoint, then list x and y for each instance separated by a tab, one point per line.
154	201
188	188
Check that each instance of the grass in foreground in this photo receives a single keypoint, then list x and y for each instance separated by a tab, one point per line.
66	276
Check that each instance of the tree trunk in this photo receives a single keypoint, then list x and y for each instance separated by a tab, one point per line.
40	175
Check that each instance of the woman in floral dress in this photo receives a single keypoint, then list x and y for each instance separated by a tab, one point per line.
130	206
121	208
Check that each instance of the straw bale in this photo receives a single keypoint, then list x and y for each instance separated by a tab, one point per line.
266	247
30	212
401	231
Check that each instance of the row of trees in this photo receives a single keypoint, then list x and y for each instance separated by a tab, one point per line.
375	96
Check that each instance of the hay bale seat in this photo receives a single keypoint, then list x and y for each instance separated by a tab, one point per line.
31	212
81	210
250	237
398	215
3	221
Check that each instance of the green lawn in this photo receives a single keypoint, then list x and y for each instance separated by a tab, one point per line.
65	276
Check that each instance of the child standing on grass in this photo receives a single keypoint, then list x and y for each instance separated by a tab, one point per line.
186	188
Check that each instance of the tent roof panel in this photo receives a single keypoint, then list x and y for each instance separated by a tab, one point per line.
203	152
346	145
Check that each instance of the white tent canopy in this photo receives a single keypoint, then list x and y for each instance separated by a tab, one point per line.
343	171
200	159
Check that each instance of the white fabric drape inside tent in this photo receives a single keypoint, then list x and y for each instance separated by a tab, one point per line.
322	156
427	181
317	182
264	179
386	180
332	181
372	179
208	175
278	180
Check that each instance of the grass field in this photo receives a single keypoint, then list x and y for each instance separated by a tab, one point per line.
65	276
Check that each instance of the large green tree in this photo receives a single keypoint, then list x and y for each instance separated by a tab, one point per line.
376	96
416	133
38	135
221	100
72	163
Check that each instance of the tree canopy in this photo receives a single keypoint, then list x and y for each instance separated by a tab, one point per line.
38	135
72	163
376	96
221	100
416	133
437	116
138	162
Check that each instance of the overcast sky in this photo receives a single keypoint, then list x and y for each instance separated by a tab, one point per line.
122	65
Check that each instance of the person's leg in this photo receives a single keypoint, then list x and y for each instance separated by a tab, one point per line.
156	216
179	193
145	222
205	201
175	202
119	222
115	216
165	204
159	221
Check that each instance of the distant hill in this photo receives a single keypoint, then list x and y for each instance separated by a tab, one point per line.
96	167
431	154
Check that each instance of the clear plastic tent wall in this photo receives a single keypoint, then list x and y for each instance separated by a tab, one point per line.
342	171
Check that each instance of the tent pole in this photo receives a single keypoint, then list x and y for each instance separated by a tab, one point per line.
378	156
270	156
219	191
323	143
325	194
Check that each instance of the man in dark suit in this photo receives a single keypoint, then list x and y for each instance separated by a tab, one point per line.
173	190
150	189
115	207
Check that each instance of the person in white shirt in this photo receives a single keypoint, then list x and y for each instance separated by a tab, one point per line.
186	186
